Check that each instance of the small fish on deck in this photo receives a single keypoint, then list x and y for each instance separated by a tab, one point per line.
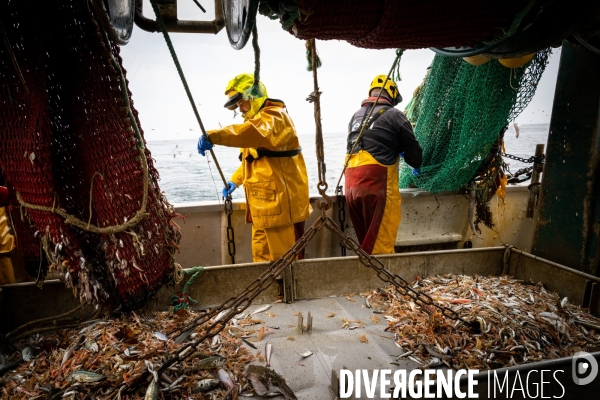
160	336
206	385
261	309
264	380
226	378
211	362
152	390
85	377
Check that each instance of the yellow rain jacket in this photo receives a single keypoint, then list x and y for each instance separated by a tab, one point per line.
276	187
7	244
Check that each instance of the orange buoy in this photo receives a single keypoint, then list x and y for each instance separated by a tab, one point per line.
517	61
476	60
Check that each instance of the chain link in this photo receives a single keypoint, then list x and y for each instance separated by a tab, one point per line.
243	300
532	159
341	203
401	285
230	235
515	178
234	305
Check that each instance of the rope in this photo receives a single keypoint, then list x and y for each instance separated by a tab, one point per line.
315	97
309	57
506	258
182	300
67	324
399	53
163	28
178	274
72	220
254	90
41	321
396	74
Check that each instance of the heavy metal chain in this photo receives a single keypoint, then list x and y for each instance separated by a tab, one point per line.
341	203
315	97
532	159
401	285
217	319
515	178
230	235
235	305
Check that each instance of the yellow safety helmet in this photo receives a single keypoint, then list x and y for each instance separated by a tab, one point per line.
239	88
390	87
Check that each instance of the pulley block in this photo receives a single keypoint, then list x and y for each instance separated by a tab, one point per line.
240	17
116	17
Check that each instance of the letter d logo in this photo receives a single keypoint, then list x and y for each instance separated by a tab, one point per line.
585	368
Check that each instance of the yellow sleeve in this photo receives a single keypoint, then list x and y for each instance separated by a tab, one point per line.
238	176
7	240
271	128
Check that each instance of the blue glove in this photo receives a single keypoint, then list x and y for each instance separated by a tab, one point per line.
402	155
204	145
228	189
416	171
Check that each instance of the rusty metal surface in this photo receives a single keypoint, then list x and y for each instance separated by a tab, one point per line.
324	277
568	223
217	284
24	302
581	289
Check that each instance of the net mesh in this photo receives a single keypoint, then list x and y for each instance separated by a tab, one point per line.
407	24
459	112
68	142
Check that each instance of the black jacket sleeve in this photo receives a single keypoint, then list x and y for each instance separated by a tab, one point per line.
408	144
413	153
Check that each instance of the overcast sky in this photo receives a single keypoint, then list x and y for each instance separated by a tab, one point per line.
209	62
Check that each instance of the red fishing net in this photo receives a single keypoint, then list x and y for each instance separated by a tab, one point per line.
406	24
70	149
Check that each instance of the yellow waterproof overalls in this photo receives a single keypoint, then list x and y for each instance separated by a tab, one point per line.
276	188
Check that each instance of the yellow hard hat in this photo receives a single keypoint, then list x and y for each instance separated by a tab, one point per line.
517	61
390	87
239	88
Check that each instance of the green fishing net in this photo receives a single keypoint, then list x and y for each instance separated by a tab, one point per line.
458	113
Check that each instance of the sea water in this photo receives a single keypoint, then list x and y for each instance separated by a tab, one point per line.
186	176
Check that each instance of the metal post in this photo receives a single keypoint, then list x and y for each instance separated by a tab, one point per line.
534	187
567	223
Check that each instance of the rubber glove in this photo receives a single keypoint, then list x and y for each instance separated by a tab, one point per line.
416	171
204	145
229	189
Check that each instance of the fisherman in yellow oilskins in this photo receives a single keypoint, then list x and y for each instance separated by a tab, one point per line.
7	240
272	172
371	181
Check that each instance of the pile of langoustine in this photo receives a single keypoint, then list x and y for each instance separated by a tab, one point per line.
520	322
94	360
